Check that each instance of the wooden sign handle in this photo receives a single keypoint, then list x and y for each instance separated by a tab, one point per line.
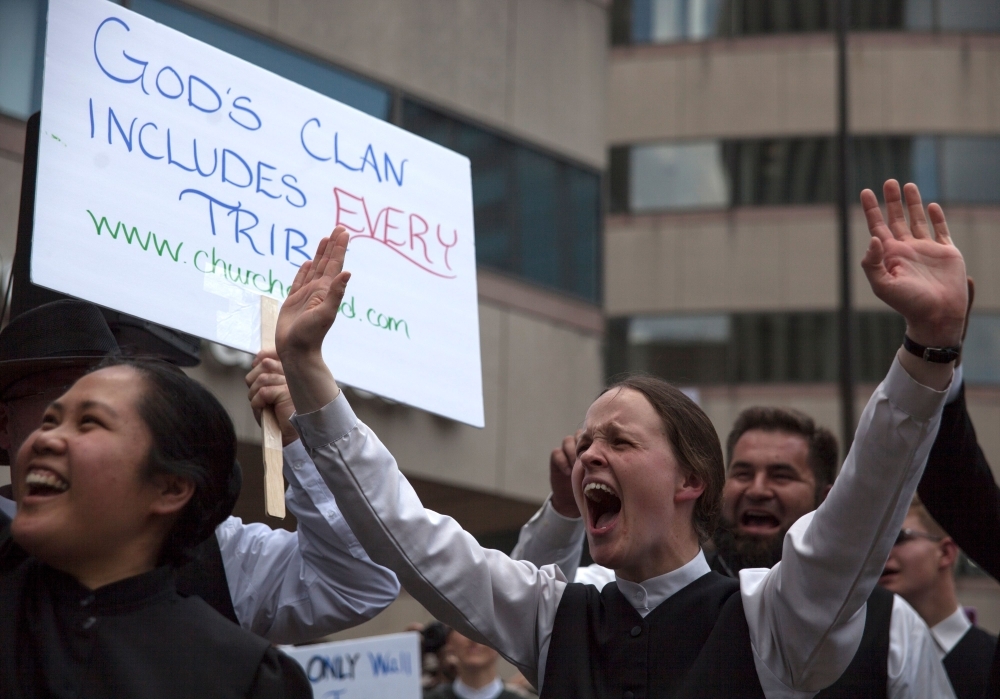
274	483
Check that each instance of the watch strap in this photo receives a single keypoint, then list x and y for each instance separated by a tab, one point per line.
938	355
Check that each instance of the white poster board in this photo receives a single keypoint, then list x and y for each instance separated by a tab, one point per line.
380	667
177	183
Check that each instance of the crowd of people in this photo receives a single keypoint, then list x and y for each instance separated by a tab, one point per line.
764	567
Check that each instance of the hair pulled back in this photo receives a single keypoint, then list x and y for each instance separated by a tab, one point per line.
193	439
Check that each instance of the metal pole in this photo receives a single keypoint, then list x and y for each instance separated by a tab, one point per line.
846	326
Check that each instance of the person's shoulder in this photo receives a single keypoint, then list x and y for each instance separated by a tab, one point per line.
201	620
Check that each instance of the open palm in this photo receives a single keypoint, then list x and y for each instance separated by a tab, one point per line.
918	272
314	299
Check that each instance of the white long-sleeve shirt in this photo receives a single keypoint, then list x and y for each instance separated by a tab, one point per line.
806	615
914	665
293	587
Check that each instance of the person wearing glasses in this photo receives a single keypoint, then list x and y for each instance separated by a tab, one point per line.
919	570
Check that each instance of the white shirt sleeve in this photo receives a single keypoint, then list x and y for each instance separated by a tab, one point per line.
807	614
548	537
294	587
915	669
509	605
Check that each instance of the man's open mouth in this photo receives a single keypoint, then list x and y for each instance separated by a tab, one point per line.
759	519
44	483
603	505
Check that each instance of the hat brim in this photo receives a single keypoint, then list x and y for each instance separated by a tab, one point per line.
13	370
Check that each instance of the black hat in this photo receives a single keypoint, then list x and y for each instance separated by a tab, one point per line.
66	333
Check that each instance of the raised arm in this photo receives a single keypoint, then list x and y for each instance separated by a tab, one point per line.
555	533
294	587
485	595
804	613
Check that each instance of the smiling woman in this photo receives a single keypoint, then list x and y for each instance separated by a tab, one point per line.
131	469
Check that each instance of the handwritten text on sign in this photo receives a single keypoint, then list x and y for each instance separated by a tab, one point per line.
367	668
178	183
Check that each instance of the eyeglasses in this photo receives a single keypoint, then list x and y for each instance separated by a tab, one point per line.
911	534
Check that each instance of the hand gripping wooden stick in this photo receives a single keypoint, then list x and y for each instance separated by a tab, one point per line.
274	484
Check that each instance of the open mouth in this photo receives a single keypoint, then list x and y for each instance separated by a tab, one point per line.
603	505
887	571
44	483
758	519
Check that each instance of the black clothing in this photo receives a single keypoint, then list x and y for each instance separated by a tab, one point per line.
205	576
445	691
868	673
968	663
959	491
133	638
601	646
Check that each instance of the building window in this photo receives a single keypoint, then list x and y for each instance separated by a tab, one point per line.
22	41
666	21
22	49
537	217
364	95
793	347
686	175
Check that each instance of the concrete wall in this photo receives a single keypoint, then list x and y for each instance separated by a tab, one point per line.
533	68
786	85
763	258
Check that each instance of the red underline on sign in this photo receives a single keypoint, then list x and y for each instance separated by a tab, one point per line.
362	236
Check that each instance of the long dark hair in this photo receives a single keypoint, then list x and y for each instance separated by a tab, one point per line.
193	439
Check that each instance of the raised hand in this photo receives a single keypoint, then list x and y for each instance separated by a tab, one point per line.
560	469
916	270
306	317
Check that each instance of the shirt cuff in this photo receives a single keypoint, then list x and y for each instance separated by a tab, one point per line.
913	398
329	424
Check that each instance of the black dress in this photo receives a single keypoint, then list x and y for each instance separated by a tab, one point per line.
133	638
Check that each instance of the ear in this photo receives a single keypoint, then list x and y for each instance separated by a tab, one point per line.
690	488
949	553
172	494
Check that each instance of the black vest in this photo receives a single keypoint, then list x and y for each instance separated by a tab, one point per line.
968	663
868	674
695	644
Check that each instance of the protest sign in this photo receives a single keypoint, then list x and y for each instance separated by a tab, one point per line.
178	183
366	668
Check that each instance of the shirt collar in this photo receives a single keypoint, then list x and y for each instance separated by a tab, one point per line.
949	631
649	594
8	507
490	691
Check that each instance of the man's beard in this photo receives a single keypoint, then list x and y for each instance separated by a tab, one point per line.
737	551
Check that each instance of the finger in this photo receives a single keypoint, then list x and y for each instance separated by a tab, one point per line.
941	231
338	251
268	396
300	277
894	210
557	461
873	216
319	260
337	290
915	207
569	450
873	264
266	380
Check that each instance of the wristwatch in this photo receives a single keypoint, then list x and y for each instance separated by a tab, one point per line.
938	355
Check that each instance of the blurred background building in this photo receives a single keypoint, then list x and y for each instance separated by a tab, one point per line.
654	187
